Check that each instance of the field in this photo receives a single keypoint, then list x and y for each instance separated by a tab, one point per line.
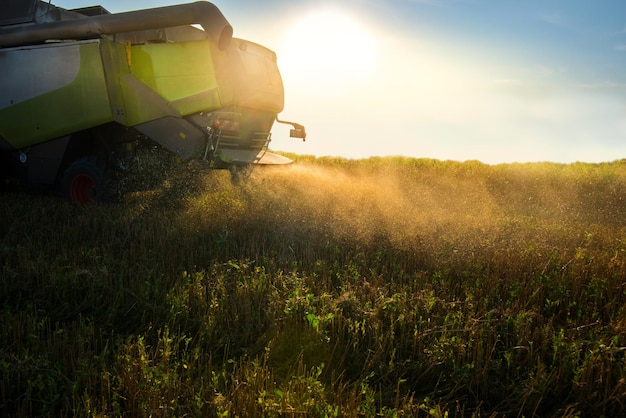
380	287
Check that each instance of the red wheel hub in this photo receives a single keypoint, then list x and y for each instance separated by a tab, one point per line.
83	189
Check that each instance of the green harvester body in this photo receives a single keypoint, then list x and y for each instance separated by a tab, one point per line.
86	84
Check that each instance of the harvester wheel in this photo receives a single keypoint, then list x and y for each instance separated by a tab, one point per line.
239	174
86	181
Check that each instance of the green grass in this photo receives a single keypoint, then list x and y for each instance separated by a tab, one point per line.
380	287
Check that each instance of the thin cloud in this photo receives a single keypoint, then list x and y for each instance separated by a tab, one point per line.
427	2
607	84
554	18
506	81
546	71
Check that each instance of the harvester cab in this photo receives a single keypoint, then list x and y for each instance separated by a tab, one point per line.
85	95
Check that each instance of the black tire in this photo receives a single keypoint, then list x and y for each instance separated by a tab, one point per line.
4	172
86	181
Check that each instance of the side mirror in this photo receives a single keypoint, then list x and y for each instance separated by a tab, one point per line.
298	130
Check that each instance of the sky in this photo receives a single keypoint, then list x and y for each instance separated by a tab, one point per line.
496	81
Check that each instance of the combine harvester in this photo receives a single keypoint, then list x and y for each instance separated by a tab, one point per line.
86	95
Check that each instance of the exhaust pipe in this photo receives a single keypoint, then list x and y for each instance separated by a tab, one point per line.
203	13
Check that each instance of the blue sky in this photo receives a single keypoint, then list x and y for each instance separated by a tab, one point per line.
490	80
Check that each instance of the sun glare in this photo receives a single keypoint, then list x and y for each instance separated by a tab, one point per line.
325	50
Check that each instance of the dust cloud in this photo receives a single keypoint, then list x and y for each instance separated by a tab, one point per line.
430	211
401	199
372	203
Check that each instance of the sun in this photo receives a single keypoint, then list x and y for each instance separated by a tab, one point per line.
327	50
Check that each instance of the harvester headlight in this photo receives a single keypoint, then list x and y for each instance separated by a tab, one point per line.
226	125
